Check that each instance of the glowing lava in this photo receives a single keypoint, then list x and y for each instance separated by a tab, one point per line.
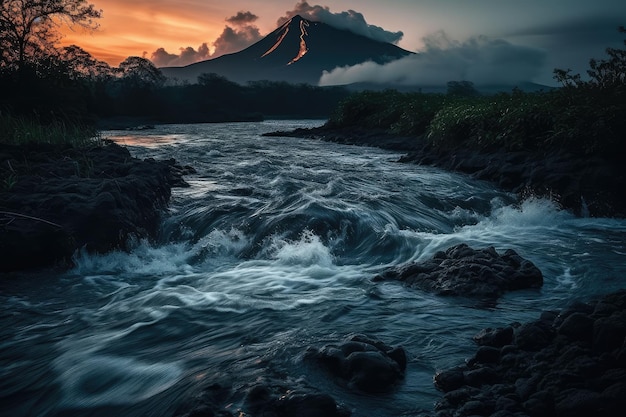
280	39
303	48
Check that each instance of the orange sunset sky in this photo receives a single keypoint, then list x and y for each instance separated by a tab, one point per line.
140	27
176	33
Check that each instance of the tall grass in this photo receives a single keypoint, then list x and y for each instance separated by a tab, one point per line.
578	120
21	130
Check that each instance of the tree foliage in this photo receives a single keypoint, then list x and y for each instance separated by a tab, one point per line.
604	73
141	73
28	28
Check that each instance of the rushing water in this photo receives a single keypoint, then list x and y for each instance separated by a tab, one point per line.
272	250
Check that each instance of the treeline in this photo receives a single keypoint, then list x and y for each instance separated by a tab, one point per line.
73	86
583	116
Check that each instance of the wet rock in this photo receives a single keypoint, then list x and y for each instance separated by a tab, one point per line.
363	363
486	354
450	379
296	401
63	199
534	335
551	368
463	271
494	337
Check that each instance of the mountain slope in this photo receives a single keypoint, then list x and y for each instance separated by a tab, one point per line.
297	52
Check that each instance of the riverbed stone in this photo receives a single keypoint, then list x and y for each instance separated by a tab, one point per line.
463	271
362	363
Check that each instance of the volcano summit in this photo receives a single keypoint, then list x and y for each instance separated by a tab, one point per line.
296	52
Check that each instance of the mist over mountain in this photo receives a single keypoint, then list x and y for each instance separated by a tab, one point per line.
299	51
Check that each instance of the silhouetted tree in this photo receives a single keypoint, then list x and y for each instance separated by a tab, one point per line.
79	64
603	73
28	27
140	72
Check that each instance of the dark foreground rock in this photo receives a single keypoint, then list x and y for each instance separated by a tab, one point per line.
586	185
463	271
364	364
57	199
266	397
360	363
566	364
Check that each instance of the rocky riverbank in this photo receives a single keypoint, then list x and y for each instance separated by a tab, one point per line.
569	363
56	199
586	185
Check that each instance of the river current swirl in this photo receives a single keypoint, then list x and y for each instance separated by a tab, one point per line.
271	250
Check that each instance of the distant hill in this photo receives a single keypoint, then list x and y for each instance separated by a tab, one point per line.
297	52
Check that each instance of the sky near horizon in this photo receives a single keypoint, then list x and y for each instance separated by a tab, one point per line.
461	38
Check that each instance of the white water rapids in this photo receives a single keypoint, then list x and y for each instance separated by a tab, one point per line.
269	251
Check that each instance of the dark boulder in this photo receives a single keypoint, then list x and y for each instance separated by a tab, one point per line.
463	271
363	363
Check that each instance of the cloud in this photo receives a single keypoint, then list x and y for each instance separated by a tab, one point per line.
188	55
234	40
242	19
230	40
480	60
348	20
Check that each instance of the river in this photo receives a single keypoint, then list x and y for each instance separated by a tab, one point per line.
271	250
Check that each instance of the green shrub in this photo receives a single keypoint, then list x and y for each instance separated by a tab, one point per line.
506	121
399	113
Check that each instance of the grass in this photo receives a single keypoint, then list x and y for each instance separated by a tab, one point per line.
583	121
20	130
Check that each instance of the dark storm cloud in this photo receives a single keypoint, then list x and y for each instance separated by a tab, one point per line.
242	18
348	20
588	30
231	40
573	41
479	59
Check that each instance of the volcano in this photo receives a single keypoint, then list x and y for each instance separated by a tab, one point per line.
296	52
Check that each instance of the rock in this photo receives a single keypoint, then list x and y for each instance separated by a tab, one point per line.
307	405
579	402
363	363
294	401
609	333
450	379
533	336
481	376
486	354
494	337
463	271
64	199
551	368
